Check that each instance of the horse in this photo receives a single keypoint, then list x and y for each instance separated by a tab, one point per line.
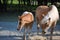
46	17
25	21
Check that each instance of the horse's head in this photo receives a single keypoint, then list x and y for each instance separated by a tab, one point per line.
20	23
45	19
24	19
46	25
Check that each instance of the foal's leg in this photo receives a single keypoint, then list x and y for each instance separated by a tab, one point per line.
52	28
30	28
25	30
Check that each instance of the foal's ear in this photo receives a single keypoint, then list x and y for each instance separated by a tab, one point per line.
18	16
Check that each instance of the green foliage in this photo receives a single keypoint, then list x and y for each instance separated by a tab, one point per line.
15	1
2	1
23	6
9	1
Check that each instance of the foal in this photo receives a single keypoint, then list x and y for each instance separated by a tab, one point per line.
26	21
47	17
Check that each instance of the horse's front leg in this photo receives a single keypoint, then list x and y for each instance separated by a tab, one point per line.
51	33
25	30
30	28
52	29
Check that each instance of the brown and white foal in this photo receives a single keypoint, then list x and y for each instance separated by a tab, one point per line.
47	17
25	21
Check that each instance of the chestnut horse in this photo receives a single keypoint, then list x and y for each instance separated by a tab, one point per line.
26	21
46	17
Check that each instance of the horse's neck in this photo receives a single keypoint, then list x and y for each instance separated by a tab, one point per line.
52	13
46	17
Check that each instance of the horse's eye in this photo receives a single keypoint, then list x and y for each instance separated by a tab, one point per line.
20	19
19	22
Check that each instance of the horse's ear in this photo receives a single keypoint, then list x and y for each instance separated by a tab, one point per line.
18	16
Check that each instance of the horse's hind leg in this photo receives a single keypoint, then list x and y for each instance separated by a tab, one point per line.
52	29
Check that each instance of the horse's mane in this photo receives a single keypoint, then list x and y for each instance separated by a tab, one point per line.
44	7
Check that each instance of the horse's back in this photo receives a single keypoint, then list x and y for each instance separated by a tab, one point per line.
41	10
53	13
28	16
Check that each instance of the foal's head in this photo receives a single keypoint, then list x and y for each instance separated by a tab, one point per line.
23	20
21	23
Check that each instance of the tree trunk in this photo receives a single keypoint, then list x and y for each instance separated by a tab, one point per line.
0	6
28	2
5	5
40	2
11	1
